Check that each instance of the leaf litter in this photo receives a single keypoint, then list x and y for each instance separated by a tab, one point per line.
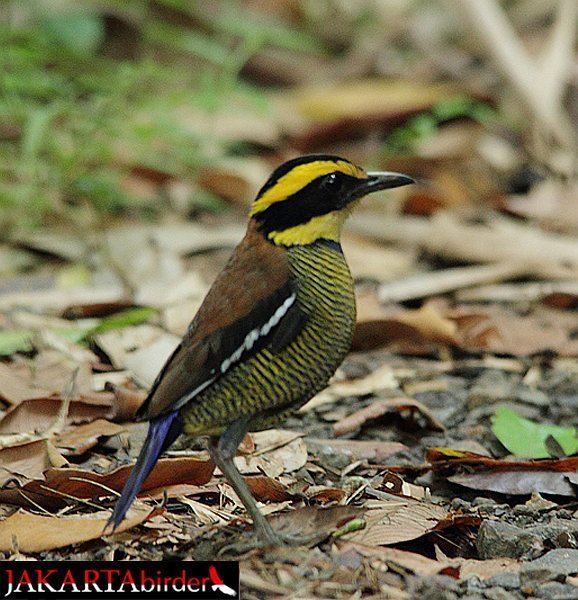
467	300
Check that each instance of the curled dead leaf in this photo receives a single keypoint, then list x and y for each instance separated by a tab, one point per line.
378	380
391	522
35	533
314	521
276	451
127	401
416	563
321	494
379	408
374	451
267	489
78	440
60	486
412	331
38	414
28	460
518	477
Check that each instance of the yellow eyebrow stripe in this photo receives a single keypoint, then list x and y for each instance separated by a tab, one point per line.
299	177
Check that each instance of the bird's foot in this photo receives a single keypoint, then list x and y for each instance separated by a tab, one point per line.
241	546
276	538
268	539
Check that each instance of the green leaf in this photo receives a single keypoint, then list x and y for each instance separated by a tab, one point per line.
76	335
190	41
15	341
34	131
264	31
126	318
523	437
349	527
463	106
81	34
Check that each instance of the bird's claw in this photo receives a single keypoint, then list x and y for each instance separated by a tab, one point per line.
287	539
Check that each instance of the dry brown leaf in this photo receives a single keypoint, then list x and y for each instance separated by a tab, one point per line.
52	241
322	494
519	482
394	484
409	331
483	569
276	452
146	362
556	294
38	414
127	401
446	235
267	489
391	522
374	451
554	476
60	484
431	324
176	318
180	237
120	344
379	408
444	458
207	515
35	533
247	445
236	180
183	489
28	460
95	310
53	371
54	301
15	387
471	328
312	520
416	563
330	113
504	332
368	260
443	281
234	123
551	203
78	440
380	379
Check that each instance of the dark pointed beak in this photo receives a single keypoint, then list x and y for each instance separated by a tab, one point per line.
379	180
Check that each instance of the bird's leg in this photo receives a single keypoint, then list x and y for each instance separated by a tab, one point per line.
222	450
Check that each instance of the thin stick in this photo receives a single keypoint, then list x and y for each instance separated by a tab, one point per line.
489	21
71	497
97	484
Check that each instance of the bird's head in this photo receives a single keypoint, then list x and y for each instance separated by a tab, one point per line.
309	198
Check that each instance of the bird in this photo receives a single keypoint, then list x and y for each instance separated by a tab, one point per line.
272	330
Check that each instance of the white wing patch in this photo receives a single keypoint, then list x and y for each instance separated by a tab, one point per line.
247	344
257	333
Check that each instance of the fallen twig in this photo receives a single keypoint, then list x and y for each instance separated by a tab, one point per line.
547	255
542	96
447	280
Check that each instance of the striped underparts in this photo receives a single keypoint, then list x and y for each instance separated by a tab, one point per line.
269	385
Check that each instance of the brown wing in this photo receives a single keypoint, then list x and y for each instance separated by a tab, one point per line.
244	306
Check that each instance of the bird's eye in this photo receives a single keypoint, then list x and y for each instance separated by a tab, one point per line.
331	180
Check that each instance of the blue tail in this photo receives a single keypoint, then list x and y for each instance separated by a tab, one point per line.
162	433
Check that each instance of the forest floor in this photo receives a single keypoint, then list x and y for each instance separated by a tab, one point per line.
428	469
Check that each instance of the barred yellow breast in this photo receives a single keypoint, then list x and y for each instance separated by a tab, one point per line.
270	384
